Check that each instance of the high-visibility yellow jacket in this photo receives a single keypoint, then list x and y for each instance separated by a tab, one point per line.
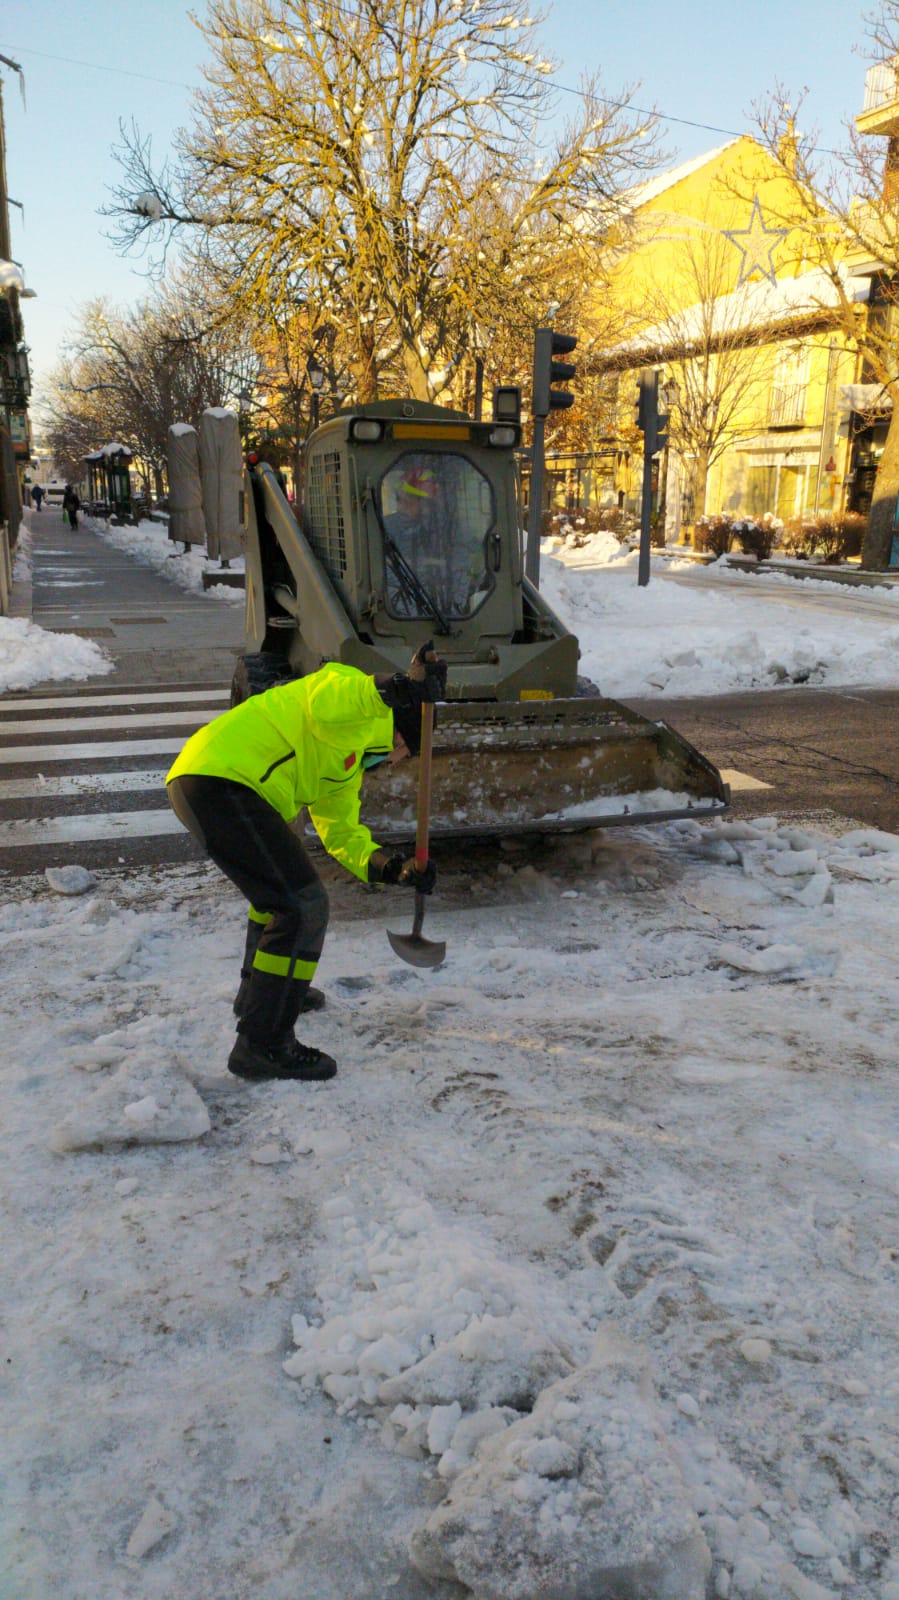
301	744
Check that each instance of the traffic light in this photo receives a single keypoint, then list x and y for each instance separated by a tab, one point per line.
661	433
652	424
547	371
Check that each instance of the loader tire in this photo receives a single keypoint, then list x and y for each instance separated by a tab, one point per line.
254	674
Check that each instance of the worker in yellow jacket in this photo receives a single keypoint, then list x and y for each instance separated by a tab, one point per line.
243	778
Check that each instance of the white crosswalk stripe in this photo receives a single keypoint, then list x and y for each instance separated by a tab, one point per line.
84	800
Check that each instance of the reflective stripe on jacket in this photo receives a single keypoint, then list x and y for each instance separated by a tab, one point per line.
301	744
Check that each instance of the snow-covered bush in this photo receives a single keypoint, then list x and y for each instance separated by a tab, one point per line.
758	535
831	535
576	527
714	534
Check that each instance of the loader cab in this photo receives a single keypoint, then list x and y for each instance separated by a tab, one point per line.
413	510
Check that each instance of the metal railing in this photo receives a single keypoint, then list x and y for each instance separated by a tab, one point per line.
786	406
881	84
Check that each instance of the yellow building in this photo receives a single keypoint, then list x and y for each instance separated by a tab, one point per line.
716	294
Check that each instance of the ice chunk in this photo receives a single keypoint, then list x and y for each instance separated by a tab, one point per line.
612	1522
70	880
756	1351
777	958
155	1525
166	1109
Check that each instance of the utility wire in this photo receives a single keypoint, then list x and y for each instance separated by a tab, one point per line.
563	88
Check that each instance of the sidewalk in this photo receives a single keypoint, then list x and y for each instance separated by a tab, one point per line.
855	577
155	631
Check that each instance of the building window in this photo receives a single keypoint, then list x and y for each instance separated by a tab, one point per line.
786	404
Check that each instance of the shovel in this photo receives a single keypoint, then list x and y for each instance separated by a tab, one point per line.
412	947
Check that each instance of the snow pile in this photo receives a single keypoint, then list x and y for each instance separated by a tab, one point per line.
556	1458
588	1250
473	1329
583	1498
30	655
150	545
679	637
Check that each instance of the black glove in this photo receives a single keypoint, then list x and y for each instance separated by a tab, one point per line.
433	684
401	869
421	881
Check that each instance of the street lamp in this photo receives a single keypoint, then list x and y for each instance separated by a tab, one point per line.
316	375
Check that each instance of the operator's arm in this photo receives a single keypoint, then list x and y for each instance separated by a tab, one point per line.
335	818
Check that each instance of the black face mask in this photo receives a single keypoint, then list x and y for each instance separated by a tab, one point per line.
374	758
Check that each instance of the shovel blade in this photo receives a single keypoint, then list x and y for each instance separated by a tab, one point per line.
419	952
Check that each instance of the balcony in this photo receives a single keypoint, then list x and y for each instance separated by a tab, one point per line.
786	406
881	109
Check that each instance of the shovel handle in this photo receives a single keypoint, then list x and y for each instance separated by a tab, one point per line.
424	787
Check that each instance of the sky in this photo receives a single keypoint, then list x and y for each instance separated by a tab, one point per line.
88	68
609	1198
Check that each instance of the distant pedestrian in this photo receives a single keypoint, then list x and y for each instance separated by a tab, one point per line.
37	495
71	505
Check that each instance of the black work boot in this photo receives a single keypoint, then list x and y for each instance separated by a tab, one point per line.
288	1059
315	999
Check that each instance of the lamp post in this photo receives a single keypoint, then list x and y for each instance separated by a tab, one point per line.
316	375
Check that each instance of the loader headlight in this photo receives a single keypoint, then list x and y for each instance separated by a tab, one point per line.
505	437
366	431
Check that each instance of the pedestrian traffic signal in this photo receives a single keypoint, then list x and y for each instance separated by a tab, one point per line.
547	371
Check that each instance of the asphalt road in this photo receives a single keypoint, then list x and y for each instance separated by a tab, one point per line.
82	765
823	751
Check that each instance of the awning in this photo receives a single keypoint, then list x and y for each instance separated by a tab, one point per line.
865	397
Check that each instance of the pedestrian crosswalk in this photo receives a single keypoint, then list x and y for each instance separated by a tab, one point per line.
65	797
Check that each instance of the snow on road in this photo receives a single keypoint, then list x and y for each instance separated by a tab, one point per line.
580	1279
691	633
581	1273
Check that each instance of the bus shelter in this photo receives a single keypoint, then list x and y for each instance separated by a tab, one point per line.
109	482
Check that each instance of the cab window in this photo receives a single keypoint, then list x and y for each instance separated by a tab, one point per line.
436	511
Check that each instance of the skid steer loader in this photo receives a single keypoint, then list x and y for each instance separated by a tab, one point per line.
410	529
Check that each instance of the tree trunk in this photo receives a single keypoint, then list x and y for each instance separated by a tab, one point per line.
416	374
366	369
882	516
700	482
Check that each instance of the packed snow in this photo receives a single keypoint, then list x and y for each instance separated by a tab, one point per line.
578	1282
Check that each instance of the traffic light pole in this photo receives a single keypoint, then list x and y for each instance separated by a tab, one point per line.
654	427
535	503
645	515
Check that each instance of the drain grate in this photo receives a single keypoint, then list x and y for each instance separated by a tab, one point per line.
123	622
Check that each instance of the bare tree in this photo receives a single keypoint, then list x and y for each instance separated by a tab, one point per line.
345	162
715	343
126	376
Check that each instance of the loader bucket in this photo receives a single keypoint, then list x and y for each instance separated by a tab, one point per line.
549	767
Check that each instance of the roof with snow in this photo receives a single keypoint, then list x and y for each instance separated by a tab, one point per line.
750	307
642	193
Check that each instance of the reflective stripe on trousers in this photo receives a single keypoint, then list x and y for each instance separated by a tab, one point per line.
288	913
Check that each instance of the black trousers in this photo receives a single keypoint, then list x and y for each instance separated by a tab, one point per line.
288	914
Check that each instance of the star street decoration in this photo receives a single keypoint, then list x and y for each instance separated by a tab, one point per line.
759	246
